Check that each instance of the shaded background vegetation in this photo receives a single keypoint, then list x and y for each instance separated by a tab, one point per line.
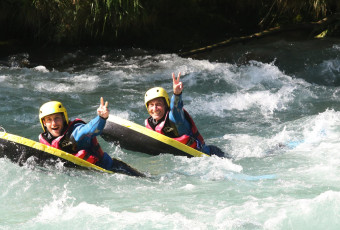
171	25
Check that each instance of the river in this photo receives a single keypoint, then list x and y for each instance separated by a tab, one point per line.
274	107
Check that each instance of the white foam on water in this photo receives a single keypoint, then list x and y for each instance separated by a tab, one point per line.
189	187
156	220
336	47
122	114
77	83
265	101
210	168
317	212
56	208
3	78
41	68
259	75
282	213
260	86
304	134
324	124
119	77
205	68
312	131
240	216
244	145
91	216
331	66
318	152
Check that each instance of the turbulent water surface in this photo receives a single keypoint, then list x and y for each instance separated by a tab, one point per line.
275	108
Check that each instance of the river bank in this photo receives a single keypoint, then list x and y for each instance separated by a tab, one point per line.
233	50
167	26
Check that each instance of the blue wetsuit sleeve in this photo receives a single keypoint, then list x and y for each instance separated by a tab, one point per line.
176	115
89	130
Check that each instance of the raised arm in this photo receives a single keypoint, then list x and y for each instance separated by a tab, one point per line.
176	114
95	126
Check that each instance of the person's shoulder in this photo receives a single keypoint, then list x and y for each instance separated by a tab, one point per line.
76	122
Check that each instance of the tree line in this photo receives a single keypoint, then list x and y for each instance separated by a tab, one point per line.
172	25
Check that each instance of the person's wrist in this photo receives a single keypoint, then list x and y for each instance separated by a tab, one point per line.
104	117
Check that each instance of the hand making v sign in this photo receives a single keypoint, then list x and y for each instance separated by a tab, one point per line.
103	110
177	84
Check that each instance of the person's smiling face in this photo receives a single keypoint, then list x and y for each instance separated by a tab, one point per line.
54	123
157	108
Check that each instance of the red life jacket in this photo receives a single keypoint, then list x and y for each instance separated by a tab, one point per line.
185	139
64	143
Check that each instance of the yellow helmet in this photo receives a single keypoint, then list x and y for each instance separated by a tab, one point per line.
49	108
155	93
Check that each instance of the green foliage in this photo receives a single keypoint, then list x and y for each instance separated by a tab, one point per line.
173	24
69	20
287	11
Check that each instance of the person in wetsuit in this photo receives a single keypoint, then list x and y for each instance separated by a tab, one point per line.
170	119
77	137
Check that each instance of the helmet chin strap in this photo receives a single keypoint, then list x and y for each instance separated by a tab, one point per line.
65	123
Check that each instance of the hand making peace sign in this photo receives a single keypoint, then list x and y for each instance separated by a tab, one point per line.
177	84
102	110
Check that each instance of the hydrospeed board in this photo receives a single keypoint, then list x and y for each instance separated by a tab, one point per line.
18	149
134	137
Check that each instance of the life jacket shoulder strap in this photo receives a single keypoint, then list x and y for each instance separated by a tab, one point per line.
159	127
194	129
